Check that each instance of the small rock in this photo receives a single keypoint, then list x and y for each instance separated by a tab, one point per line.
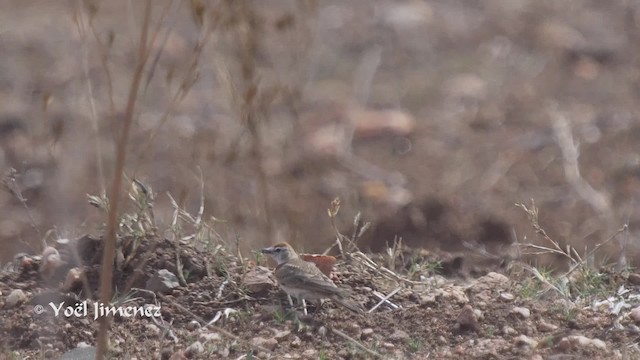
194	349
509	331
354	330
635	314
281	335
193	325
478	314
544	326
73	279
634	279
373	123
467	320
210	336
269	343
258	280
343	353
310	353
80	353
82	344
15	298
387	345
580	342
162	282
322	332
493	279
152	328
296	342
399	335
23	262
177	356
428	299
507	296
524	340
224	351
455	294
366	333
522	311
50	263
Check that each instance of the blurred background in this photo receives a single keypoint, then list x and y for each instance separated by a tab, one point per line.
430	118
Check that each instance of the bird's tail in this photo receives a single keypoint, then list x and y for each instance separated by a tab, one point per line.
349	304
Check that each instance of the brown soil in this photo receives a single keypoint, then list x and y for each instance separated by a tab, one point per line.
430	322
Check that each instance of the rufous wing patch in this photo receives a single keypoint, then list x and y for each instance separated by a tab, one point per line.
324	262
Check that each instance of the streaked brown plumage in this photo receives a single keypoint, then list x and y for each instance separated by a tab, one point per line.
303	280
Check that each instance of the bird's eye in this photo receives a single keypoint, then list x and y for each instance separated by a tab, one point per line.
277	249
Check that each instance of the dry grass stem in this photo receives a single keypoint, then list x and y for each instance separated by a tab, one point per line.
385	299
562	131
106	277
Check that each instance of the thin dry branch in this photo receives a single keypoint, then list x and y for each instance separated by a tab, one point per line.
597	200
108	255
532	214
82	23
383	271
595	249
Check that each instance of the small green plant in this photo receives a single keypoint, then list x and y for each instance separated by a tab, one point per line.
418	267
258	257
489	331
546	341
281	316
589	283
433	266
414	345
529	288
570	313
534	286
322	355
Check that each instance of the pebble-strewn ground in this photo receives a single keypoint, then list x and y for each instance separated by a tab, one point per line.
493	316
452	107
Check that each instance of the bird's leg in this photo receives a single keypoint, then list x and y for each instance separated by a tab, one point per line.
300	301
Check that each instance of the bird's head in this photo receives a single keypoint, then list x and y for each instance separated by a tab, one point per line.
280	252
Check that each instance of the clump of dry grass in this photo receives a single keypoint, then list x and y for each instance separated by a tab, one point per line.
584	278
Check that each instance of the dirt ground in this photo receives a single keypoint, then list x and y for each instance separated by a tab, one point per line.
488	317
431	119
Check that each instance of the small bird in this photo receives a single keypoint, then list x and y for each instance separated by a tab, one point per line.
304	280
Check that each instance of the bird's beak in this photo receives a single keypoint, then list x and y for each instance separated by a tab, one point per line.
267	250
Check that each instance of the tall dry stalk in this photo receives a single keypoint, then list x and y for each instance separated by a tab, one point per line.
108	254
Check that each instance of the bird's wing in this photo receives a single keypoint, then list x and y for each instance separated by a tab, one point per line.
307	276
